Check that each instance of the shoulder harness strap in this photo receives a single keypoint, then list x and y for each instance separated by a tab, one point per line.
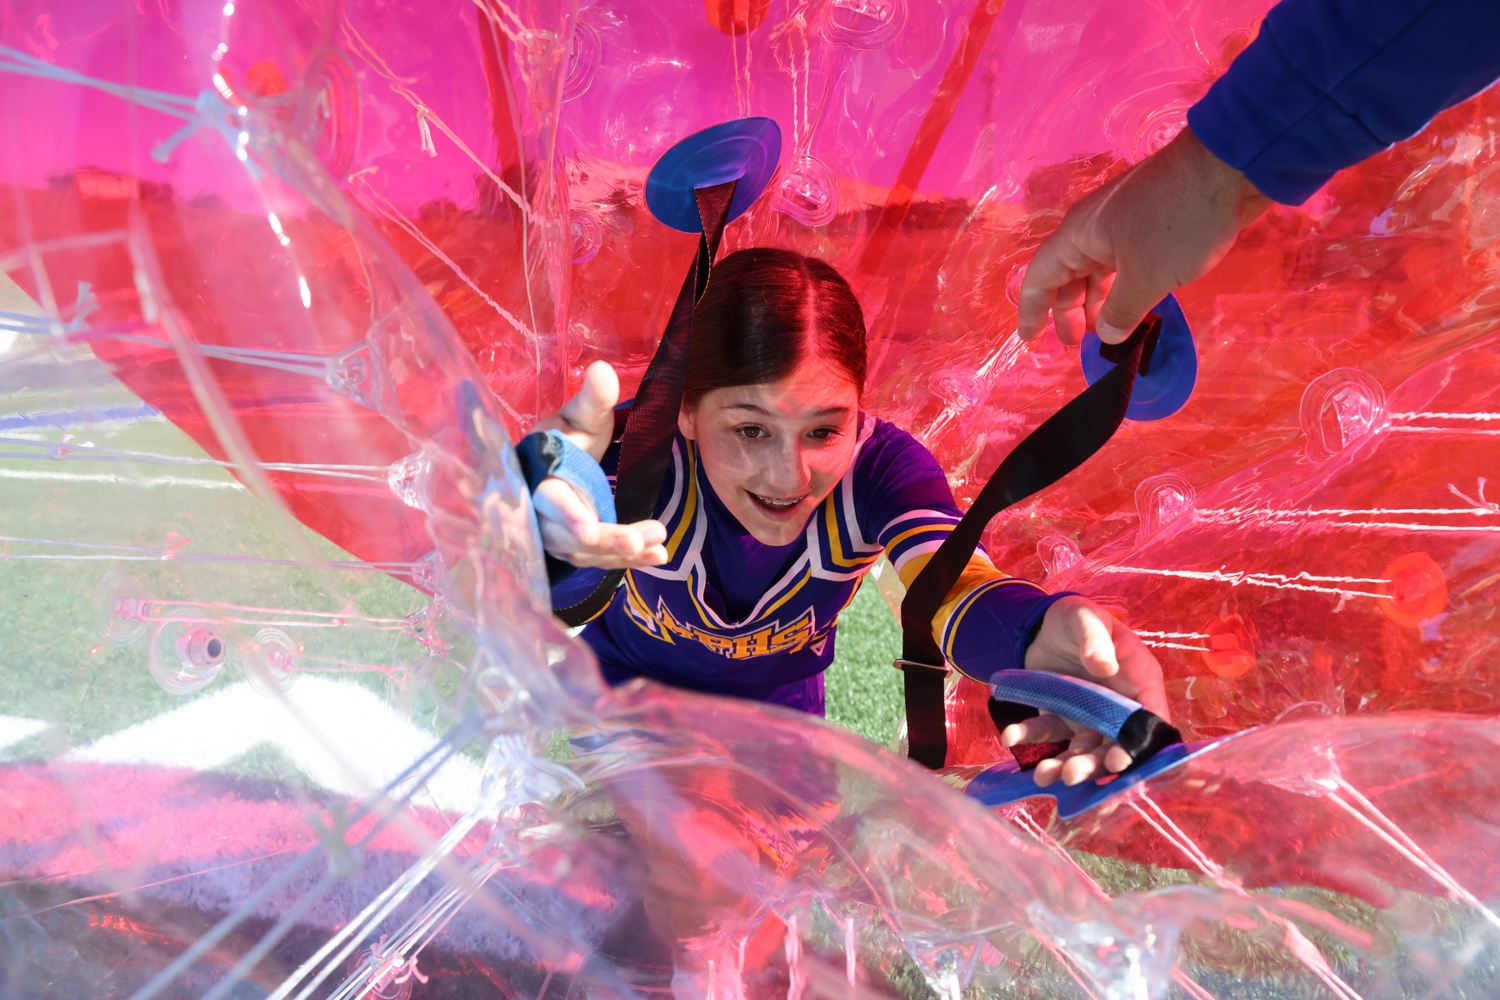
646	447
1061	444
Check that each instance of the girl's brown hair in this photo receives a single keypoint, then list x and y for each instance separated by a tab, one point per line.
764	312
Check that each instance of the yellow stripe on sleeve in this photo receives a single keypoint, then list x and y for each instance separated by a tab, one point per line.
978	573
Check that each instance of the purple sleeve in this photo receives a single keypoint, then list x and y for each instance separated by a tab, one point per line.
1328	83
992	628
907	502
903	500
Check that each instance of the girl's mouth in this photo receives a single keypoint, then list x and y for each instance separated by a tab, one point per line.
777	505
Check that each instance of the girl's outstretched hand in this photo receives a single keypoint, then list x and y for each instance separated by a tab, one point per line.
1081	639
571	529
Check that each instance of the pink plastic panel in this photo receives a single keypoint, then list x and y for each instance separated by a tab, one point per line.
1293	535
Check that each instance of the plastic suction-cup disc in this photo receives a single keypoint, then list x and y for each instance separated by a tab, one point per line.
186	653
746	150
1174	366
120	609
271	661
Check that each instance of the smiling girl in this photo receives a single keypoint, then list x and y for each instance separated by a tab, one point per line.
780	496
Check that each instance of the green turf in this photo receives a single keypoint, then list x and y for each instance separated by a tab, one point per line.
862	689
52	556
58	669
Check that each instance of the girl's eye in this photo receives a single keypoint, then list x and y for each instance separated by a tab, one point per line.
752	432
822	433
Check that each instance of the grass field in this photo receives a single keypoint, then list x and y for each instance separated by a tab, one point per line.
66	522
863	690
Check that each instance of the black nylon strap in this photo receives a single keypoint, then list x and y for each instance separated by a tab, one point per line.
1062	443
646	448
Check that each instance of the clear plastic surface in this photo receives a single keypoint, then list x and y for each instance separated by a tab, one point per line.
283	712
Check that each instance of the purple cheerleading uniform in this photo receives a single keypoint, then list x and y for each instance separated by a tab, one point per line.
728	615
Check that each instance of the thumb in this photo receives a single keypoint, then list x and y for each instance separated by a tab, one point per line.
592	405
1125	306
591	410
1096	646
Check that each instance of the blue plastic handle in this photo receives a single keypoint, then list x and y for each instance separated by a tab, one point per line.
1153	744
1137	729
1005	783
1084	702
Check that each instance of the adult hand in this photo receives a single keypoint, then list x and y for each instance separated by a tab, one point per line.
1125	246
1081	639
571	529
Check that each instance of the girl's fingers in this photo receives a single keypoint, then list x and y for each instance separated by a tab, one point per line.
629	541
1083	767
1095	753
583	541
1083	744
1116	759
560	503
1096	757
561	542
1047	772
649	557
1090	755
1083	758
1042	729
652	532
575	527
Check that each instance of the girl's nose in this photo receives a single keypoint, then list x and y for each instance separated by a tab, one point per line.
788	474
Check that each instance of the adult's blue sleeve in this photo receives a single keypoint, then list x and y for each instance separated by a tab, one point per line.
1328	83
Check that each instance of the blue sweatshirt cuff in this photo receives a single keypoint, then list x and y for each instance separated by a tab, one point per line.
1249	120
1328	83
992	628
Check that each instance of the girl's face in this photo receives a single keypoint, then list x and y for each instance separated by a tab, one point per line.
773	452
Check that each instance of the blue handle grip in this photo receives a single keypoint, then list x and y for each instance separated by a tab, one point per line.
550	453
1088	704
1109	713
